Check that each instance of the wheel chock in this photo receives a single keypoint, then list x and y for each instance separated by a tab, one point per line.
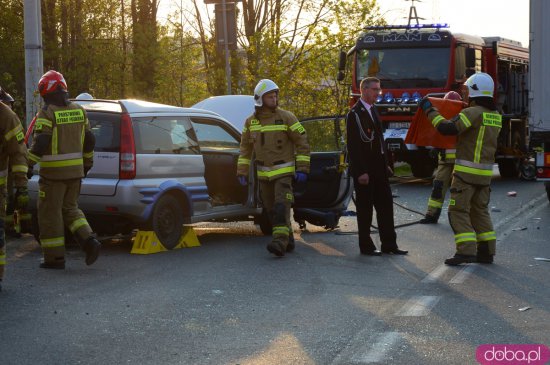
147	242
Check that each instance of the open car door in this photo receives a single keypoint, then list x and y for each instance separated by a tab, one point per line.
325	196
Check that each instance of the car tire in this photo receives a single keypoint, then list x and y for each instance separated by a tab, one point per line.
167	221
265	223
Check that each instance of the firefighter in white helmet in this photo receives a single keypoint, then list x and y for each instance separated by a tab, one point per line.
13	160
281	150
477	128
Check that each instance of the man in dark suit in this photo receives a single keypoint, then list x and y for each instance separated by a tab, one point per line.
370	170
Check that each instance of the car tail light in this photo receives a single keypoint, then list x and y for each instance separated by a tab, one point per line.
127	169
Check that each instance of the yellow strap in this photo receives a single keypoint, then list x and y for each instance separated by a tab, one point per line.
434	204
297	127
64	163
13	133
52	242
438	119
243	161
487	236
303	158
272	173
464	119
473	171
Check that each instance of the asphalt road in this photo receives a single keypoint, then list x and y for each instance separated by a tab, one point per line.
230	302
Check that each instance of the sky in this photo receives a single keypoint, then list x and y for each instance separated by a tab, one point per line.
504	18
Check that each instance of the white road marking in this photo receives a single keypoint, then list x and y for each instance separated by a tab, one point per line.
463	274
378	351
418	306
368	347
435	274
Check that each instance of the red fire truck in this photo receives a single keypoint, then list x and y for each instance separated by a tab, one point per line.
416	60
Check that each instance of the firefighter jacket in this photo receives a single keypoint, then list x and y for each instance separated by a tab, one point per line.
62	142
13	152
279	142
478	129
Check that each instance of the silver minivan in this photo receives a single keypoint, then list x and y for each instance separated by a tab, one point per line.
158	167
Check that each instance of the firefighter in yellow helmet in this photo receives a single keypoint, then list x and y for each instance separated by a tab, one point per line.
281	150
63	147
443	176
13	155
477	128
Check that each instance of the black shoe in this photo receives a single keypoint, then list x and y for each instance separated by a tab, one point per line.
53	265
484	259
276	248
91	247
428	219
460	259
371	253
395	251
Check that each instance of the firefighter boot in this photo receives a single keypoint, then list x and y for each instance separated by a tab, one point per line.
91	246
277	247
291	243
458	259
57	264
483	256
430	218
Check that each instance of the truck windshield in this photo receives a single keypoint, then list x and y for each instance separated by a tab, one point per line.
405	67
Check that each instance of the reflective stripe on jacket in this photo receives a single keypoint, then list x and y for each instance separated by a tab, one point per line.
64	158
279	143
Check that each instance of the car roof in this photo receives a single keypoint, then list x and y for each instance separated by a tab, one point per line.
234	108
134	106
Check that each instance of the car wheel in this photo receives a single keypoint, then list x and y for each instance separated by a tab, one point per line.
167	221
265	223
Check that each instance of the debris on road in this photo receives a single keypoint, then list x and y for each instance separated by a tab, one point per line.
512	193
519	229
542	259
495	209
524	309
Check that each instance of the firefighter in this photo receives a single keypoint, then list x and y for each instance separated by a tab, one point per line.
443	176
281	150
477	128
13	155
63	147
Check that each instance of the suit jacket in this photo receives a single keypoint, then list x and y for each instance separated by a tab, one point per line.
365	156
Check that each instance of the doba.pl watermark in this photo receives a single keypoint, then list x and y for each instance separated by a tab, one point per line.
510	354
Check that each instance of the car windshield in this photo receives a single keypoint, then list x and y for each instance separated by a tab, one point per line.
405	67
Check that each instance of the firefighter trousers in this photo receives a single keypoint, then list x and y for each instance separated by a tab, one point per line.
441	183
470	219
277	198
57	208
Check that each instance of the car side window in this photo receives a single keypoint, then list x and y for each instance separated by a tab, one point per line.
212	135
106	130
164	135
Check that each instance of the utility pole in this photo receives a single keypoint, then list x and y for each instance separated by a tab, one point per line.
226	50
33	56
226	31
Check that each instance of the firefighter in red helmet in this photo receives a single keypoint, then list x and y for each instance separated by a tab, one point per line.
63	146
13	160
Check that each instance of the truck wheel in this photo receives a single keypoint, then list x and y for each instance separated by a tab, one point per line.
167	221
508	167
265	223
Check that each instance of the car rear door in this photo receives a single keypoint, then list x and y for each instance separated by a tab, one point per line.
102	179
327	192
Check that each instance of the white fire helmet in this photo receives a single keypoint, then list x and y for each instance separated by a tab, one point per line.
264	86
84	96
480	84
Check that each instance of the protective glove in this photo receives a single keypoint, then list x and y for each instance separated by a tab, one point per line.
242	180
30	173
21	198
86	169
425	104
300	177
